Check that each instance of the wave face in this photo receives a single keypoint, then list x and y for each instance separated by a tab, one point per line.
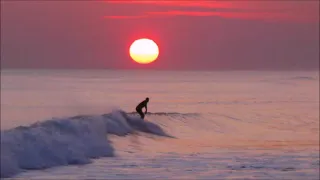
67	141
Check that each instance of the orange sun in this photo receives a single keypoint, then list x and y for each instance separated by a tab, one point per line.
144	51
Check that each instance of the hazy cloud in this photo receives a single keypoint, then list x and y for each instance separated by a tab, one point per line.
126	17
293	11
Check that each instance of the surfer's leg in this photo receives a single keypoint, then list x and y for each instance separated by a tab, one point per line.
139	111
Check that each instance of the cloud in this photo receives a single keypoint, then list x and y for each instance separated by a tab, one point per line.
203	4
267	16
125	17
259	10
240	15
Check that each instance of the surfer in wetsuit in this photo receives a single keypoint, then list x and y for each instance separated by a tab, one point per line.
143	104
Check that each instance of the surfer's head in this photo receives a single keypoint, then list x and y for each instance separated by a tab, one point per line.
147	99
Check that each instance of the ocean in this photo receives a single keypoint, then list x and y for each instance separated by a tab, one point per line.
81	124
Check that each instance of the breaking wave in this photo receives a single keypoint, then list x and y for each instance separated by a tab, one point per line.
67	141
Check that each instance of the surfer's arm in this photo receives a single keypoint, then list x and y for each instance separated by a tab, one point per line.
146	109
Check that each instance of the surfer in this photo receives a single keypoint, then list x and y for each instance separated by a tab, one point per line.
143	104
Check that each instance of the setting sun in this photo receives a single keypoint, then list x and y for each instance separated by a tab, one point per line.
144	51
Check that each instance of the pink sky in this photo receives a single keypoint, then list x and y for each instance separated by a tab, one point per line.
210	35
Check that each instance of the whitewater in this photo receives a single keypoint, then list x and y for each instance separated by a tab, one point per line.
81	124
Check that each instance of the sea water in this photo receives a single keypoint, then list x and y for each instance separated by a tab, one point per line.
81	124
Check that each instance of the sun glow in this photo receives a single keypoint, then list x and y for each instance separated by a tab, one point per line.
144	51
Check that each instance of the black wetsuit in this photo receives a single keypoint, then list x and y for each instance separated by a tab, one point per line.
139	108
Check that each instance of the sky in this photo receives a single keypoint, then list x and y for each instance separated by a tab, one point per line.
191	35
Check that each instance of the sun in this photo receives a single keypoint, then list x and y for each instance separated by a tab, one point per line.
144	51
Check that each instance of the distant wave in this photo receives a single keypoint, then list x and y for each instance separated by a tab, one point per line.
307	78
291	80
66	141
167	114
